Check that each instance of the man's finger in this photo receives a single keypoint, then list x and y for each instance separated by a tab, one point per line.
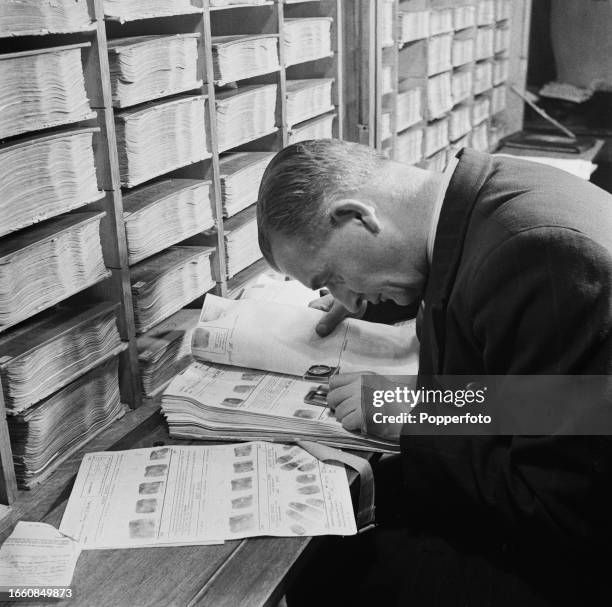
352	422
332	319
336	397
322	303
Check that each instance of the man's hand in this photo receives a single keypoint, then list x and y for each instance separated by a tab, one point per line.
336	313
344	399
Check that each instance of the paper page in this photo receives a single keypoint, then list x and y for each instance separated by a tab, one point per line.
576	166
245	390
282	339
277	290
189	495
37	554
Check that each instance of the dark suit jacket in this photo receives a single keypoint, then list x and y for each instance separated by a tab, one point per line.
521	282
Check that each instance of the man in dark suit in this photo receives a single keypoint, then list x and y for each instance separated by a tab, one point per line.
512	264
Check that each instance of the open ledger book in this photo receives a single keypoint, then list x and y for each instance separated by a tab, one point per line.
247	383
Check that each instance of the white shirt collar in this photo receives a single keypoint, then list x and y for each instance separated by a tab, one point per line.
448	173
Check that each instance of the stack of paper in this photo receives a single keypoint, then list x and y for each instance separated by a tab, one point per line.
231	2
437	162
44	355
409	146
498	130
388	23
317	128
483	77
502	9
463	51
165	350
46	176
147	67
45	434
241	244
33	17
481	109
413	26
484	42
463	142
238	57
163	213
245	114
41	89
158	138
500	69
502	39
480	138
307	39
439	95
241	175
167	282
485	12
461	85
436	136
441	21
308	98
498	99
41	266
439	54
385	126
387	79
128	10
459	122
464	16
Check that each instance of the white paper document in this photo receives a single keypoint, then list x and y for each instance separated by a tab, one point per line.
37	554
282	339
193	495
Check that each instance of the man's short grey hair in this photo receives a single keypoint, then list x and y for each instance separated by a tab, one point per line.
301	179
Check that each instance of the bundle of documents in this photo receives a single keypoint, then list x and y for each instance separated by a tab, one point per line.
439	54
238	57
160	137
241	245
409	146
500	70
485	12
48	353
456	146
461	85
483	77
460	122
387	13
439	95
245	114
41	89
33	17
307	39
217	401
502	9
147	67
498	99
128	10
463	51
46	176
241	175
165	350
48	432
193	495
484	42
42	265
436	136
437	162
308	98
385	126
167	282
413	26
387	85
481	109
464	16
163	213
317	128
440	21
231	2
480	138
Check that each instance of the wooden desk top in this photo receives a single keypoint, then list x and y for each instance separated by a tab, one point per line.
252	572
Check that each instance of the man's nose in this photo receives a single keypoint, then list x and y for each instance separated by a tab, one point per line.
349	299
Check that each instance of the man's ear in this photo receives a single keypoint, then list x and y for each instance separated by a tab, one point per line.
347	209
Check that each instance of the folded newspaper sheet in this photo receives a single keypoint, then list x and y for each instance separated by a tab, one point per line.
223	398
175	495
